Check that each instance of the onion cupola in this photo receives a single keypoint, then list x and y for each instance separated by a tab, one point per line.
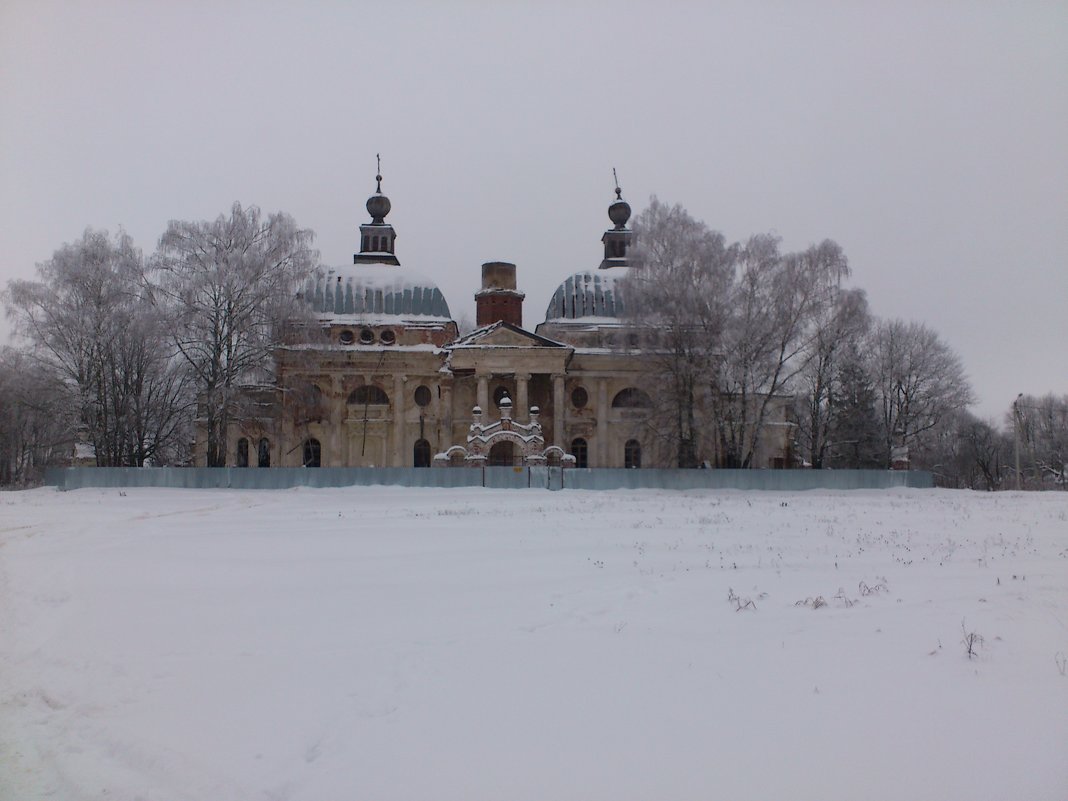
597	294
374	299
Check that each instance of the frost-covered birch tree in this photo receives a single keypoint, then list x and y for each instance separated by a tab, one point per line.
231	287
677	298
89	318
776	302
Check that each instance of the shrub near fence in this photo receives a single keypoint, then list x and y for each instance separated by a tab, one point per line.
495	477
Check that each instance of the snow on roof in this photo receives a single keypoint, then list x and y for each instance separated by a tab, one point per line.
591	294
410	321
420	348
358	290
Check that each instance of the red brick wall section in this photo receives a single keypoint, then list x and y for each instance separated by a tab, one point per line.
490	307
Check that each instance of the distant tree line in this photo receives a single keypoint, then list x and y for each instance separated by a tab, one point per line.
121	353
739	327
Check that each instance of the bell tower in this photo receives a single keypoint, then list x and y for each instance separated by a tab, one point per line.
377	238
617	240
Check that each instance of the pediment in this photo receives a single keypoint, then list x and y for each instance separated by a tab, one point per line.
504	335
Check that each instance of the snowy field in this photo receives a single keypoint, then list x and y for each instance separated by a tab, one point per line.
389	643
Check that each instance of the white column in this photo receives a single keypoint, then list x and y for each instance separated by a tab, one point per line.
445	417
558	411
602	423
483	392
398	421
336	405
522	408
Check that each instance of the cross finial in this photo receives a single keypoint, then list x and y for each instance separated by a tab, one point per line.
619	192
378	177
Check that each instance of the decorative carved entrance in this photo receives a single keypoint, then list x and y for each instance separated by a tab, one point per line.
505	443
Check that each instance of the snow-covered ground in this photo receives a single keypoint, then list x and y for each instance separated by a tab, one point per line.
389	643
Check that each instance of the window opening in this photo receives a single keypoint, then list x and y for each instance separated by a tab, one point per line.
313	453
264	453
580	450
369	394
242	452
579	397
421	453
632	454
631	398
422	395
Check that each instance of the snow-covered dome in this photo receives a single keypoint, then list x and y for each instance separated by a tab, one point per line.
375	290
589	294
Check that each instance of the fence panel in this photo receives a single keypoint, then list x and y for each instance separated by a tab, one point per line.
494	477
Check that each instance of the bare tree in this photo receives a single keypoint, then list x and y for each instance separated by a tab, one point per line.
1043	432
776	301
37	427
231	285
677	301
964	452
88	318
919	380
838	325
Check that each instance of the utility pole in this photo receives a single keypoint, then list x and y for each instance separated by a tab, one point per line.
1016	435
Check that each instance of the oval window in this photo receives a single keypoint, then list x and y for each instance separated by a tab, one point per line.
422	395
367	336
346	338
579	397
387	337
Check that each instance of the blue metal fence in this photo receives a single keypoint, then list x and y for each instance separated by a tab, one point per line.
495	477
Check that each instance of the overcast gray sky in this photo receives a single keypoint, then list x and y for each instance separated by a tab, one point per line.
930	139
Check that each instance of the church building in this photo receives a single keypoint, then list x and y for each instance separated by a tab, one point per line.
392	383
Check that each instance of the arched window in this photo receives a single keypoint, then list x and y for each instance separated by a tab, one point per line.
632	454
313	453
421	453
631	398
581	451
242	452
369	394
264	453
502	455
499	394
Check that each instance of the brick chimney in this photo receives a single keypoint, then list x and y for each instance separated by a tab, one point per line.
498	299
